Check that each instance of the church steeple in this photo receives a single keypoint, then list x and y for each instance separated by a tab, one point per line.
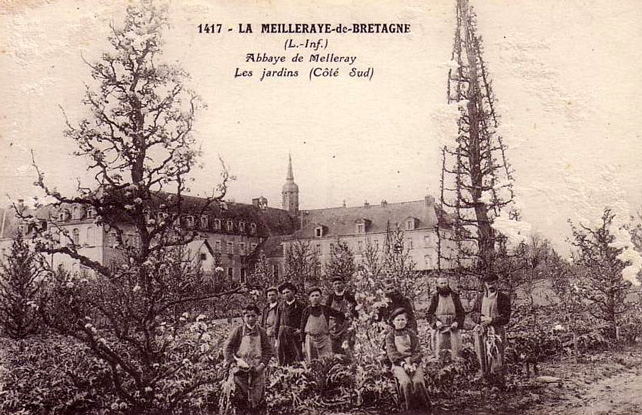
290	176
290	191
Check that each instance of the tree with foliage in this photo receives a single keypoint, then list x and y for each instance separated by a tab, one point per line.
341	261
302	264
130	313
599	271
20	289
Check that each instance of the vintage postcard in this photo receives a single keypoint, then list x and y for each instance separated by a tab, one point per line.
473	140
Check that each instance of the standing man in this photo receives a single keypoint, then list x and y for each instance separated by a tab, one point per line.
249	350
343	301
288	323
395	301
491	312
315	326
268	317
446	315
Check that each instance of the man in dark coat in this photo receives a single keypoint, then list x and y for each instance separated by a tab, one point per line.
288	323
446	315
491	312
395	301
343	301
268	317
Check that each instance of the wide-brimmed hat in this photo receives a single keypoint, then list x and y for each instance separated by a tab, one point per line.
396	312
288	285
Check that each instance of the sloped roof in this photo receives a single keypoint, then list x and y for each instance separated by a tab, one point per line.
9	221
269	221
341	221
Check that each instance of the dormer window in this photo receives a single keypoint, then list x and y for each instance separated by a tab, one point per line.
252	228
78	212
204	222
241	226
230	225
189	221
361	226
91	213
217	224
63	215
411	224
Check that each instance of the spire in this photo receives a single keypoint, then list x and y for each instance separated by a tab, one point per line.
290	176
290	191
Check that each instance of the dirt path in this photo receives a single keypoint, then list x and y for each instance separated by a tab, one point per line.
617	395
613	388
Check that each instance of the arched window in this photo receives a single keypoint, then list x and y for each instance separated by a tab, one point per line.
91	236
75	236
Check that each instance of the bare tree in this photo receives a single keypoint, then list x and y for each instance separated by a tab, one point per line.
341	261
476	181
141	151
302	264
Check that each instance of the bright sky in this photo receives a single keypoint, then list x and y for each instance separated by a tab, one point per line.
567	76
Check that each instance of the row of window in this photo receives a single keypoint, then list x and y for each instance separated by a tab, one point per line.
430	241
229	247
362	225
204	222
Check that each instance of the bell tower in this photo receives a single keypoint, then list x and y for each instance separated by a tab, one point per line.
290	192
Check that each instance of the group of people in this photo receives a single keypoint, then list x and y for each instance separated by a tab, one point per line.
293	331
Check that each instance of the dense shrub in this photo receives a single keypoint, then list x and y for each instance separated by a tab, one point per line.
50	376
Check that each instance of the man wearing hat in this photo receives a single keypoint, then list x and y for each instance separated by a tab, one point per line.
248	352
287	328
396	300
403	350
343	301
446	315
315	326
268	317
491	311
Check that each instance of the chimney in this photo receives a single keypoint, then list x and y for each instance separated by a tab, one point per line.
366	204
255	201
344	203
429	200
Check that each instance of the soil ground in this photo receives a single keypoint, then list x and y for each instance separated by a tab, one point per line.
605	383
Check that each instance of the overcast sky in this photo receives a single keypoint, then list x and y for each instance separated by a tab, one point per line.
567	76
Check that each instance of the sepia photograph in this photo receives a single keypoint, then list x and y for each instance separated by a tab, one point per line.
326	207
